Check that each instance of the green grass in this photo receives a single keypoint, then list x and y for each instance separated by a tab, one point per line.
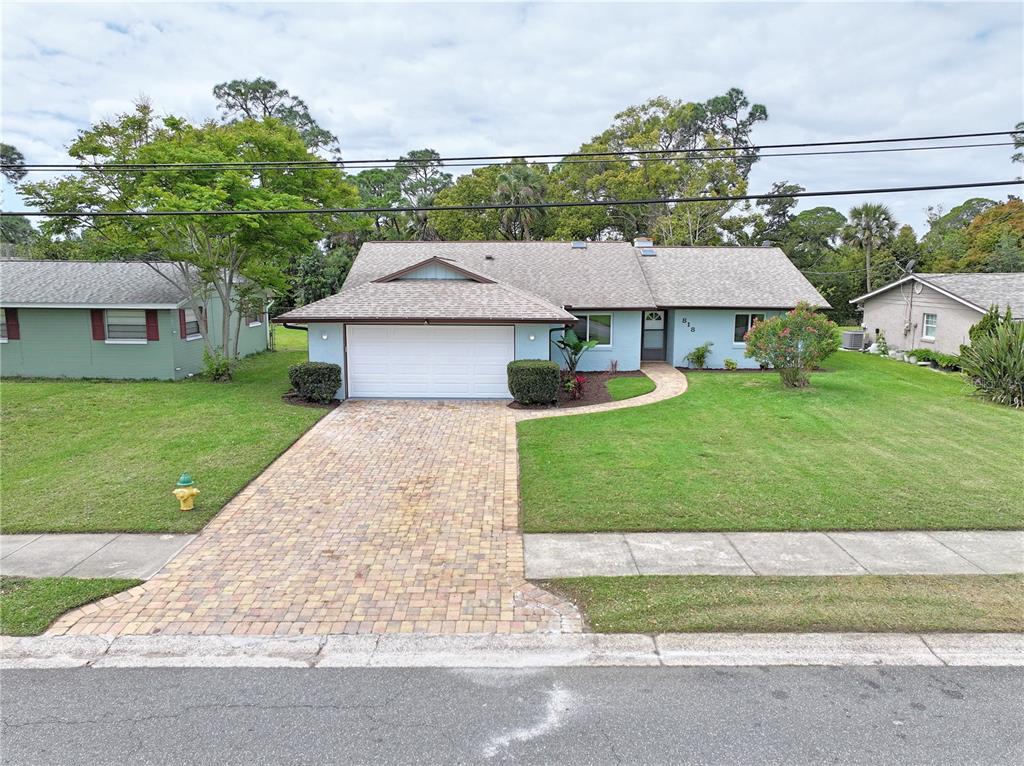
28	607
627	388
102	456
872	444
918	603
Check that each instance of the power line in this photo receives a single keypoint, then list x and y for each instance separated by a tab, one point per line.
609	153
496	206
332	165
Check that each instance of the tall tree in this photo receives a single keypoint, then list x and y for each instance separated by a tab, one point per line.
260	98
520	184
871	227
207	256
12	162
945	243
1018	142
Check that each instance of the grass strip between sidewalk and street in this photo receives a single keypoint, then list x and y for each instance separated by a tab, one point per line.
29	606
715	603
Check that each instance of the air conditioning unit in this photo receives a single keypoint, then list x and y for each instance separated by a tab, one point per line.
853	340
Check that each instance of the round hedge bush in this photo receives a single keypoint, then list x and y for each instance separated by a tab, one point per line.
534	381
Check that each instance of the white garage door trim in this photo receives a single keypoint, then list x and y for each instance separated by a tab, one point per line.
407	361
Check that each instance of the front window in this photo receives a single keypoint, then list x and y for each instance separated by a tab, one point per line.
595	327
126	324
253	319
931	324
3	324
743	324
191	324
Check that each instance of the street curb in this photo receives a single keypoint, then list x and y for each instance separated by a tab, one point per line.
515	651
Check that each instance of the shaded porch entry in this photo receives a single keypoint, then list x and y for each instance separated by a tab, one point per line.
652	345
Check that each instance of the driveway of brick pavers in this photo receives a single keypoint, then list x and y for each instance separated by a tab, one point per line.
387	516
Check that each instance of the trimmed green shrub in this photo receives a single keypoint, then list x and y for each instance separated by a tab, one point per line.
699	356
217	367
534	381
995	364
794	343
315	381
945	361
730	364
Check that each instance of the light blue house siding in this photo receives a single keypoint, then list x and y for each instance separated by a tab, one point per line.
624	348
689	328
326	343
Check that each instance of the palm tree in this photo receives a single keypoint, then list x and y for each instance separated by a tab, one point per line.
519	184
871	227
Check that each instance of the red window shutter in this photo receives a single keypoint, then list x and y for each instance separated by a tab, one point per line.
181	323
99	331
13	328
152	326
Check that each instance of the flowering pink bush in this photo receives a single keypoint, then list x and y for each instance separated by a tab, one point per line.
793	343
574	386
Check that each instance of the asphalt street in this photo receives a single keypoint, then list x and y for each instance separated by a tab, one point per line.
778	715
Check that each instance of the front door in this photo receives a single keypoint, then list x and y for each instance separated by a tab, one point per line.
653	344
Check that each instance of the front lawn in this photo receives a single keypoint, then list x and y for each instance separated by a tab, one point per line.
915	603
627	388
873	444
101	456
28	607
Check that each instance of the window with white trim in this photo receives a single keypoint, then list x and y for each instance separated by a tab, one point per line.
594	327
3	324
930	324
126	324
743	324
191	325
253	318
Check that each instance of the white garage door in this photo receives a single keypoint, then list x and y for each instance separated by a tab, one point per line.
429	361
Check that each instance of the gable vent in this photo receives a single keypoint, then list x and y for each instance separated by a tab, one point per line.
579	244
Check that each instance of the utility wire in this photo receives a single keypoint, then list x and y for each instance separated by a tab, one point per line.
610	153
332	165
497	206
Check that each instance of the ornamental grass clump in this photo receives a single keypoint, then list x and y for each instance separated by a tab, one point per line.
994	362
794	343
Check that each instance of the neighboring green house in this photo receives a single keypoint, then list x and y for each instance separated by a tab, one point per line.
80	319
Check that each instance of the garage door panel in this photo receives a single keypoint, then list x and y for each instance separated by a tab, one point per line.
429	361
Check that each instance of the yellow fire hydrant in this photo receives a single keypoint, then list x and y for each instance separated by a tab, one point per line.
186	492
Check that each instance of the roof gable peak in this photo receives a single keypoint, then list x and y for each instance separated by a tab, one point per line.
434	260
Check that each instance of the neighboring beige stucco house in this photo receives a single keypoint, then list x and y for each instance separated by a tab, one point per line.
937	311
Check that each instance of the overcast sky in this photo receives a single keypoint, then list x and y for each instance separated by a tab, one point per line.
506	78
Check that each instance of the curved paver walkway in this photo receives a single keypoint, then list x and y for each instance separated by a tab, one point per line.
668	382
387	516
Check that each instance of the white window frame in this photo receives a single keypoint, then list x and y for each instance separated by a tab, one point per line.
611	327
924	325
259	319
192	335
124	341
750	323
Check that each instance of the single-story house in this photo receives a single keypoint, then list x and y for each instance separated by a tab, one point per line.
82	319
443	319
936	311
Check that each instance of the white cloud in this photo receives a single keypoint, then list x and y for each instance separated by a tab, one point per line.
493	79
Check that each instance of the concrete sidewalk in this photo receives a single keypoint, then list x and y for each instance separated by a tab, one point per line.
103	555
773	553
515	651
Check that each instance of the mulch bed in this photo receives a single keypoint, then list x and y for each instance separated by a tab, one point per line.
595	391
293	398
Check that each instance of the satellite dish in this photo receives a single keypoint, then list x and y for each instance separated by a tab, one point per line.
909	268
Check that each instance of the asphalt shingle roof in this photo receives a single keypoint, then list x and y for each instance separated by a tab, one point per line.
431	299
734	277
983	290
86	283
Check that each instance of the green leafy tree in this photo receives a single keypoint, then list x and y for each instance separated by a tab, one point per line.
260	98
871	227
12	162
945	242
207	255
476	188
520	184
794	343
381	188
1018	142
994	240
573	349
